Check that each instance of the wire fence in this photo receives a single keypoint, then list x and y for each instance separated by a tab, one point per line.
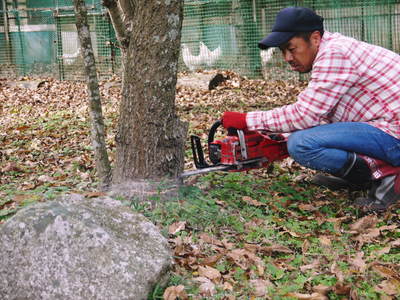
39	38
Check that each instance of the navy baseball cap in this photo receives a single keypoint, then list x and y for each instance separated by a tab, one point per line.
290	21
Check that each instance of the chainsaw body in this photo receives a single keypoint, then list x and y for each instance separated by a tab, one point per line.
238	151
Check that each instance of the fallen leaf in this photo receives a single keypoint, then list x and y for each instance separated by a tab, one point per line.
45	178
252	201
382	251
364	223
395	243
385	271
322	289
95	194
211	260
173	292
260	286
11	166
325	241
206	288
337	272
210	240
276	248
390	287
311	266
209	272
306	207
313	296
358	262
305	246
341	289
227	286
174	228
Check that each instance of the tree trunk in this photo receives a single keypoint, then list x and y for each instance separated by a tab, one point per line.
103	167
150	138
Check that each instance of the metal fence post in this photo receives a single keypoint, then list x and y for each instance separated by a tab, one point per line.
60	61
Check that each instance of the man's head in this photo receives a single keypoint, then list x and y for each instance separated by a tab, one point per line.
297	32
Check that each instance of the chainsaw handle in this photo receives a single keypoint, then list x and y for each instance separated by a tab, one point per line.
213	130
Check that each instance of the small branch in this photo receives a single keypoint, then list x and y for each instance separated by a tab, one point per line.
120	27
102	162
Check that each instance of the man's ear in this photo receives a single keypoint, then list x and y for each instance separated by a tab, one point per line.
315	38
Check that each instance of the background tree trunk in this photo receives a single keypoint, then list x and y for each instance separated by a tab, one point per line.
150	138
102	162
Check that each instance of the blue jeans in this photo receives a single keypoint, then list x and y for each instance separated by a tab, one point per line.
326	147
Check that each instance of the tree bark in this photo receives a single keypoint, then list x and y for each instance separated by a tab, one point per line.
150	138
102	162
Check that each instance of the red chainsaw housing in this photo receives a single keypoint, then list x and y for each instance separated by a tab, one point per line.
268	148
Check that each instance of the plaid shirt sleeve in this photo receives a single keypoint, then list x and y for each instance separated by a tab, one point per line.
332	76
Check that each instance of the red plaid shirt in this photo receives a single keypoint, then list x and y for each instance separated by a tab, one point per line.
351	81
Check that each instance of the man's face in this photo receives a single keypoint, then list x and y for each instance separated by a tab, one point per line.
300	54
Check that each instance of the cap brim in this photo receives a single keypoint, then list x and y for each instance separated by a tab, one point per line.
275	39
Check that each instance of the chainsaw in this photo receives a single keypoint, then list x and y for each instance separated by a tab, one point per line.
239	150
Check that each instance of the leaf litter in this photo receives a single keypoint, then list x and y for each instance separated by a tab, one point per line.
306	246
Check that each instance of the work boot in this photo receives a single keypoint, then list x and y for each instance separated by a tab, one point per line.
354	175
381	196
336	183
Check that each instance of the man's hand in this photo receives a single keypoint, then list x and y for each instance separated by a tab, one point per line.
237	120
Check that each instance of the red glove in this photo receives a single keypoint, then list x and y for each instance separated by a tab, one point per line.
237	120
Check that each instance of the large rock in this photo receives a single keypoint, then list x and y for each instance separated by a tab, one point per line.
78	248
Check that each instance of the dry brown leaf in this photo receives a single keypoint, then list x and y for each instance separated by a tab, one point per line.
227	286
364	223
358	262
95	194
390	286
337	222
354	295
173	292
325	241
341	289
239	257
311	266
211	260
174	228
11	166
45	178
209	273
322	289
306	207
391	228
260	286
19	198
386	297
385	271
368	236
313	296
252	201
382	251
276	248
305	246
210	240
337	272
395	243
206	288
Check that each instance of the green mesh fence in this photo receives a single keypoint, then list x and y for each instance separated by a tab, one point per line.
38	37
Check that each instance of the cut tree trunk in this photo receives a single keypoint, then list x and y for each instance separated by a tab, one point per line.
151	138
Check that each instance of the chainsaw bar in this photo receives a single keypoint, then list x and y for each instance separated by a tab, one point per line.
206	170
245	164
